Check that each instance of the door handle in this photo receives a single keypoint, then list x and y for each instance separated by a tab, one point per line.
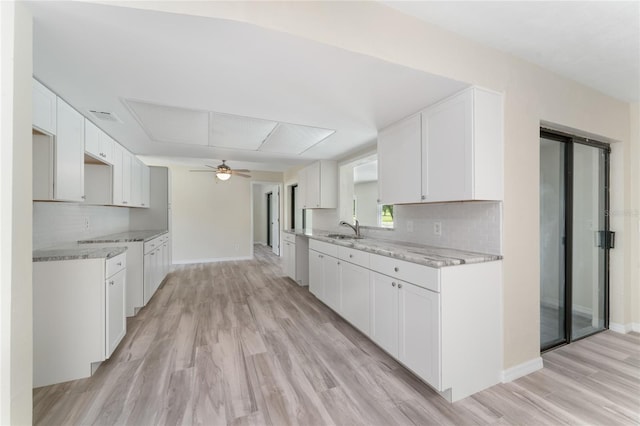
606	239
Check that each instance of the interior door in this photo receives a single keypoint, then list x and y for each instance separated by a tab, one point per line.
275	221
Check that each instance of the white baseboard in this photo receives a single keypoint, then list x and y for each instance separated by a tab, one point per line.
624	328
521	370
212	260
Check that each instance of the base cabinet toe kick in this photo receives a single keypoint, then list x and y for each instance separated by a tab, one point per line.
443	324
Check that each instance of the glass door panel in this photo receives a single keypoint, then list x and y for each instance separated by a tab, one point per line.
589	244
552	249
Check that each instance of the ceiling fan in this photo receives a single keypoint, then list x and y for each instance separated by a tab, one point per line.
224	172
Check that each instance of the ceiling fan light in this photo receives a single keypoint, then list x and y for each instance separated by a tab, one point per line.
223	175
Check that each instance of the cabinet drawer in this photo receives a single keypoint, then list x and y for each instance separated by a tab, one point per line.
149	246
116	264
322	247
419	275
290	238
358	257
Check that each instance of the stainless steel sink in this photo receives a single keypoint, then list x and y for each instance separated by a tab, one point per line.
344	236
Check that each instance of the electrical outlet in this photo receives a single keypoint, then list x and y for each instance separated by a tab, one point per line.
437	228
86	224
409	226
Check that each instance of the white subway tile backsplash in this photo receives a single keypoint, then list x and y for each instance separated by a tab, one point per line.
474	226
60	223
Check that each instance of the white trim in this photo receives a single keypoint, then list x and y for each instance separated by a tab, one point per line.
211	260
625	328
521	370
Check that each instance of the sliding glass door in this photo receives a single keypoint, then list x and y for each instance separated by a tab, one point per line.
574	238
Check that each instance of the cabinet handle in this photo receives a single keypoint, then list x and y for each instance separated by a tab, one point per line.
399	285
393	284
423	197
321	256
378	200
350	256
338	263
111	282
84	197
396	269
119	263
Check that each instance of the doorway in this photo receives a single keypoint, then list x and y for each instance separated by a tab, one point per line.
574	238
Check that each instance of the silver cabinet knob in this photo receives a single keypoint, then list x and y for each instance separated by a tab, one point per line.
423	197
393	284
119	263
399	285
111	283
338	262
351	256
396	269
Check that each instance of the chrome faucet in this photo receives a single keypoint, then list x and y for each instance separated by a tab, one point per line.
355	228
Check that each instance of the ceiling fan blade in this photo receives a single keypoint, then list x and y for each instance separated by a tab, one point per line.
242	175
206	171
213	167
241	170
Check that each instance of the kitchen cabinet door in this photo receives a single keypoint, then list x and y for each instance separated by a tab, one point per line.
330	266
400	162
316	274
118	153
384	306
447	169
127	159
97	143
136	183
355	295
166	265
69	154
419	331
146	186
290	259
149	269
44	108
312	188
116	320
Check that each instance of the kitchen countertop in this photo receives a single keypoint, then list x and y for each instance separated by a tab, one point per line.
435	257
125	237
74	252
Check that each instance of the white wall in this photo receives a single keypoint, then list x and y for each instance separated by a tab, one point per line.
532	95
632	316
16	325
61	223
259	215
212	219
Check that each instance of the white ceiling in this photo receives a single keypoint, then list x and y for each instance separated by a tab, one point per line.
101	57
596	43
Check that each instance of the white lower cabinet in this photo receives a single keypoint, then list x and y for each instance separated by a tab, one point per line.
355	294
156	265
419	331
78	316
441	323
316	274
289	255
116	320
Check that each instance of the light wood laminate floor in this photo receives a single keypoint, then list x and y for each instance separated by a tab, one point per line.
237	343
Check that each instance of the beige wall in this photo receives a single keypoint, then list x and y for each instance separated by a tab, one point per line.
16	347
531	94
633	218
212	219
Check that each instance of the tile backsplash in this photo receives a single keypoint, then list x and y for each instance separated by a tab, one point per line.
474	226
60	223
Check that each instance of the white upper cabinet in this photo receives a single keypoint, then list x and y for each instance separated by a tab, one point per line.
44	108
69	154
451	151
97	143
463	148
399	161
146	187
136	183
318	185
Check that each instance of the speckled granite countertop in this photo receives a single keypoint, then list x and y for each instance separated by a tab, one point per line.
126	237
434	257
76	251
